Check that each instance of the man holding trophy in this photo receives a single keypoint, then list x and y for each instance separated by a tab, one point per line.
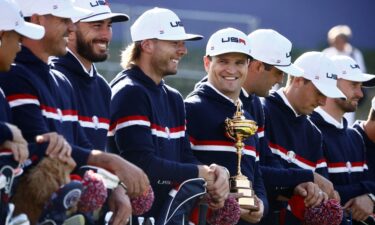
220	130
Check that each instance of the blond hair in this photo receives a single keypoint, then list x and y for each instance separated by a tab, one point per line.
130	55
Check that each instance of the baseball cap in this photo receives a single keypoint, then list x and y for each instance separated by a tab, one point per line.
271	47
228	40
101	11
162	24
321	71
59	8
349	69
11	18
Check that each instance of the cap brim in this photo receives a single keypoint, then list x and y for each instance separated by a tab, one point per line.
73	13
361	77
184	37
31	30
115	17
291	69
369	83
328	90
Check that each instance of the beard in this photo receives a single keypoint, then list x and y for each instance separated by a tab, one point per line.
346	105
86	49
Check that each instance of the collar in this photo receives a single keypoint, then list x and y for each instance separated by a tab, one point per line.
329	119
245	93
91	72
221	94
286	101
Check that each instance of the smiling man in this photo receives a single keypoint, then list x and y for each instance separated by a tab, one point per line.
89	44
148	116
226	63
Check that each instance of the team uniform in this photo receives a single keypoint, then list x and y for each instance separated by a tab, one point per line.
277	179
345	154
42	101
93	96
206	111
344	151
36	152
5	133
148	129
370	149
295	141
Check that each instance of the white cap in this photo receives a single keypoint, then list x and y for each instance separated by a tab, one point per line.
226	41
348	69
59	8
339	30
272	48
162	24
101	11
321	71
11	18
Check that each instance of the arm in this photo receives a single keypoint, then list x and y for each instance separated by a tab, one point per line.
5	133
27	113
137	140
133	177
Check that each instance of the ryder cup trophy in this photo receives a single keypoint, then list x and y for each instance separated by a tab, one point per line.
239	128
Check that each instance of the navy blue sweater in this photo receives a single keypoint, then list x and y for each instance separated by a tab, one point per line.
370	149
276	177
148	129
42	101
206	111
5	133
93	98
294	139
344	151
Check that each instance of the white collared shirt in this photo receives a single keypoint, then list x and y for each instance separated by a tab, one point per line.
91	72
286	101
224	96
329	119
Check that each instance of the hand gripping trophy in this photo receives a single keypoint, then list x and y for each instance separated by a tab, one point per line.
239	128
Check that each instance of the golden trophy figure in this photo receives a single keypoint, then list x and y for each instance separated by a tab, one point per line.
239	128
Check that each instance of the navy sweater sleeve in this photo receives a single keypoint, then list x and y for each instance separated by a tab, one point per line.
259	187
134	139
28	113
5	133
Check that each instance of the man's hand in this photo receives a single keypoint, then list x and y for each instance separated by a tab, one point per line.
311	193
217	184
16	133
58	147
119	204
132	176
19	150
18	145
361	206
253	216
325	185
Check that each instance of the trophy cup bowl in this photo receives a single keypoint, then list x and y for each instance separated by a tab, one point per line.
238	129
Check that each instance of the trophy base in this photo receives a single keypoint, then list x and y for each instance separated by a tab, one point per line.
241	185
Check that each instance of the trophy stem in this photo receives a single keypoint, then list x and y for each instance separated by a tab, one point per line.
239	146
